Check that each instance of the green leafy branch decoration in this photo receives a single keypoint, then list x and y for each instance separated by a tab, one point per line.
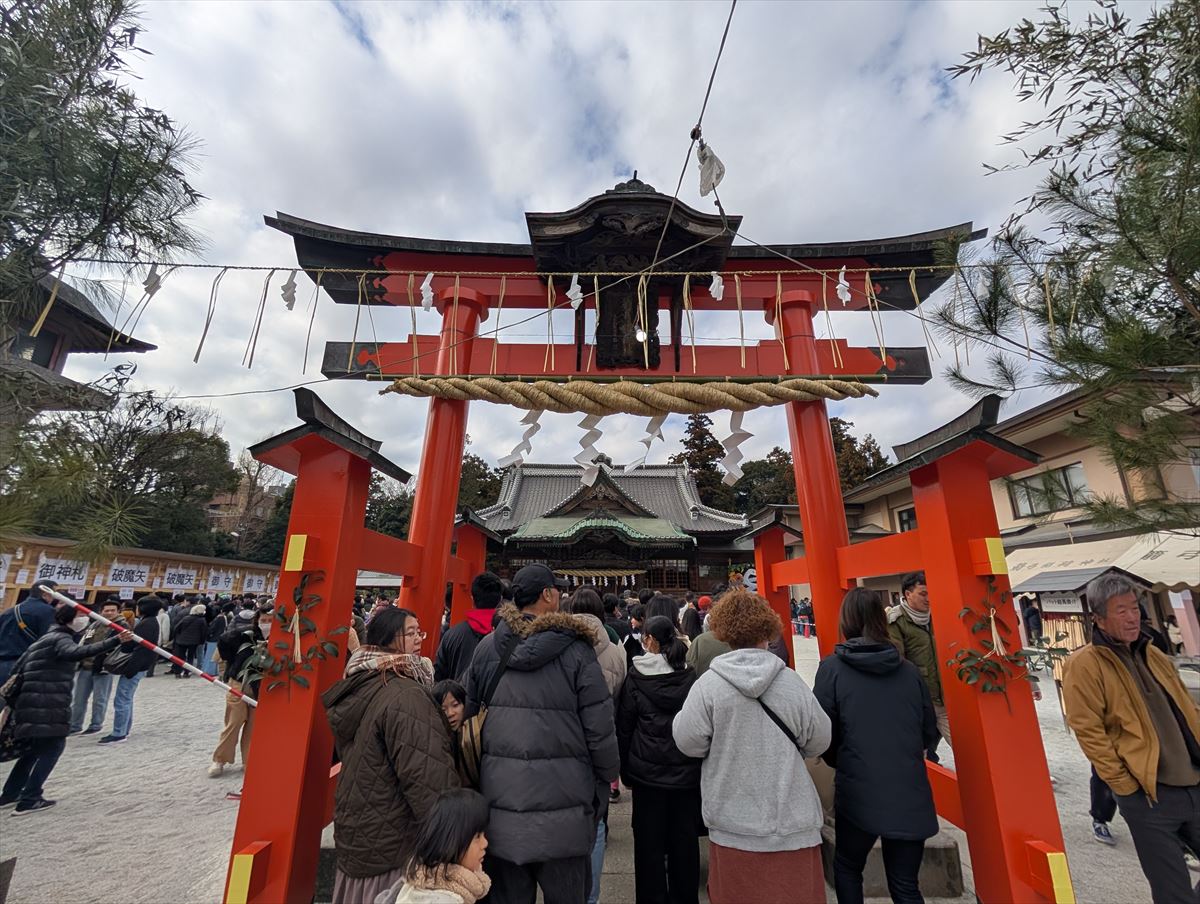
991	665
284	660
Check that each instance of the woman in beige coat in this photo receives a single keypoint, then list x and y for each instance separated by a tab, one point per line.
587	606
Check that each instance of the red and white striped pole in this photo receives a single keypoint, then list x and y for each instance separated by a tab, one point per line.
159	651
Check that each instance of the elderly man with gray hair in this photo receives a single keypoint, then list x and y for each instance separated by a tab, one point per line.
1137	724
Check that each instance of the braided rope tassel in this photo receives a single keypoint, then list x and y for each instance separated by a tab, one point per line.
311	318
687	307
737	285
454	320
412	310
362	291
912	285
876	316
644	319
212	309
837	352
596	332
252	342
779	320
496	332
37	327
548	358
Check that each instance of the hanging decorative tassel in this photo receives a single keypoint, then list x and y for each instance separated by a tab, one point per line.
691	318
588	452
37	327
289	291
997	641
737	286
653	432
252	343
312	317
779	320
496	332
837	352
733	454
362	292
876	315
643	320
843	288
912	285
717	288
548	358
412	310
294	630
212	309
596	332
454	320
525	446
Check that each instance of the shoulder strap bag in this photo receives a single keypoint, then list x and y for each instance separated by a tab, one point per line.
471	733
25	629
774	717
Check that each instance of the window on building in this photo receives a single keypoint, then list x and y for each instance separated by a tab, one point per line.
1050	491
906	520
667	574
39	351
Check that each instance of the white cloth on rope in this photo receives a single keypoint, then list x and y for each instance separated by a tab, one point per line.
525	446
289	291
588	451
843	288
653	432
574	293
717	289
712	170
153	281
427	292
733	454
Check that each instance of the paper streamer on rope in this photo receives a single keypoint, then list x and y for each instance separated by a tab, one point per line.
525	446
717	289
733	454
288	291
588	452
912	286
712	170
833	345
574	293
427	292
212	309
653	432
843	288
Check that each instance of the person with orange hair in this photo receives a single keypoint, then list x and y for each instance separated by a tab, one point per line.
753	721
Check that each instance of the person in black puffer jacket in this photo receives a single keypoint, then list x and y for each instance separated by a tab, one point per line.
549	745
883	721
42	708
189	636
665	782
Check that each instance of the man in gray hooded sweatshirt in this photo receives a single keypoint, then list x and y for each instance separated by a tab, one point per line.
753	721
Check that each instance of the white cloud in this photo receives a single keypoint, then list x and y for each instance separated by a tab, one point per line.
835	121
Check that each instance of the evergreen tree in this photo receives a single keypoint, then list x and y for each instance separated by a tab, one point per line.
701	452
480	484
1110	304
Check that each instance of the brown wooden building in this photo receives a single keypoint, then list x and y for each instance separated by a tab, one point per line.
645	527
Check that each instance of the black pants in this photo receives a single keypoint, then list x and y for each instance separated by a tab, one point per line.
1159	832
31	770
186	652
561	881
901	862
1104	805
666	826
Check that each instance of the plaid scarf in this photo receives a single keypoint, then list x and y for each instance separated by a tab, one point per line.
410	665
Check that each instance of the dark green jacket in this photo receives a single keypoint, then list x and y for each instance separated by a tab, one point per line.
916	644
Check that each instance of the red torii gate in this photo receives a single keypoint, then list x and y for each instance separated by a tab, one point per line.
287	794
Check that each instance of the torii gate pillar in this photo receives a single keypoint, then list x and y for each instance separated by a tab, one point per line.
432	524
818	486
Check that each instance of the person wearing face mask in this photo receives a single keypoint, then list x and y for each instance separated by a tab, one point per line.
41	704
396	753
235	649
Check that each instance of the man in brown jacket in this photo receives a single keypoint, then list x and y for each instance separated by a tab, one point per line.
1137	724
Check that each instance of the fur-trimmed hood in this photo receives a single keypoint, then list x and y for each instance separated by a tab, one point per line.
544	637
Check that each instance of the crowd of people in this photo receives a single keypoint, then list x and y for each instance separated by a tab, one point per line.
488	769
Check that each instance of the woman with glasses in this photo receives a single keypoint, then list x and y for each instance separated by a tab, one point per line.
396	756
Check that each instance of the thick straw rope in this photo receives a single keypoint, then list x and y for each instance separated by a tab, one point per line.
627	397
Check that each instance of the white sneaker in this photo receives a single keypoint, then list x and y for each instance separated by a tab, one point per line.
215	769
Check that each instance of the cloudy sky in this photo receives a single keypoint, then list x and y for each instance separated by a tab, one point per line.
449	120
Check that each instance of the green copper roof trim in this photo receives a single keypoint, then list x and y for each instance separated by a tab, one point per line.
633	527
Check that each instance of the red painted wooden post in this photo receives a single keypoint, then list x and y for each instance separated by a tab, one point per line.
818	486
769	548
436	499
287	775
1003	780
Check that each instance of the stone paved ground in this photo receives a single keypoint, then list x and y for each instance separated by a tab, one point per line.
141	823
